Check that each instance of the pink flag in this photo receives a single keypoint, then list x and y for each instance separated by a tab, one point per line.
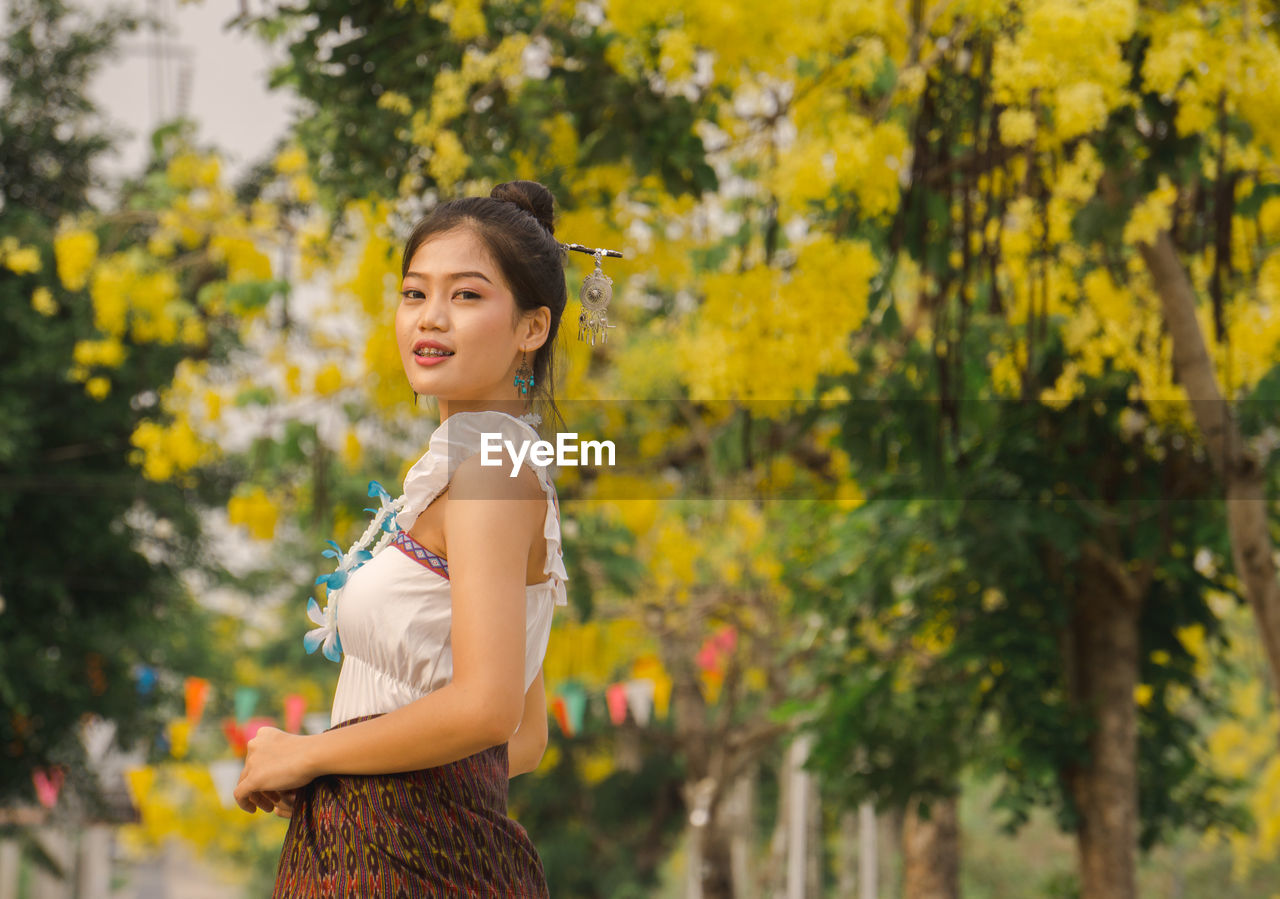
616	697
726	639
295	706
253	725
48	783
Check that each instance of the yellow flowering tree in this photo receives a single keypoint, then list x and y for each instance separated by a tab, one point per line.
846	226
88	582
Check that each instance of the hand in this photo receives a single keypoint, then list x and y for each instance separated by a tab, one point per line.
284	807
266	800
274	766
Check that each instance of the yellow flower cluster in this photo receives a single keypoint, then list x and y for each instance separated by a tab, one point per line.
75	251
595	652
107	353
17	258
843	154
431	129
1251	345
256	511
244	261
765	334
291	161
396	102
1068	58
164	451
374	284
464	17
127	298
188	170
42	301
448	161
1152	215
179	799
1199	60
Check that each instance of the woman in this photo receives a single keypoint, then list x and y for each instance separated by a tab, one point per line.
440	697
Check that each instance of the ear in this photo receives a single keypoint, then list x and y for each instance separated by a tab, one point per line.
535	326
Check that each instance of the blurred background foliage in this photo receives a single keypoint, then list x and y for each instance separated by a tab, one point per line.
912	303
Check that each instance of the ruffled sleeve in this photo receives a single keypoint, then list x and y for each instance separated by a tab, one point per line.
458	438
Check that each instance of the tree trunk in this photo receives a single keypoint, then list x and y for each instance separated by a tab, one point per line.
815	839
10	861
717	871
742	829
1103	671
799	801
868	853
1251	549
775	877
847	856
931	851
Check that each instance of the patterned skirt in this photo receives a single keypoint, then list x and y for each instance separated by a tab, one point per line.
440	831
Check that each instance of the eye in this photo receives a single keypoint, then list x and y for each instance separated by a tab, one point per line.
410	293
467	294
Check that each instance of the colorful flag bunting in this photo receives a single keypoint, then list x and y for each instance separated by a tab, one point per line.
96	736
575	701
561	713
235	736
256	724
48	784
616	698
246	701
225	774
640	699
295	705
146	678
195	690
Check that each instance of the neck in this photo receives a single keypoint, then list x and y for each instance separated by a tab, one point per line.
511	407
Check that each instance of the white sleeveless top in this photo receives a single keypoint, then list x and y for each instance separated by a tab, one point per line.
394	611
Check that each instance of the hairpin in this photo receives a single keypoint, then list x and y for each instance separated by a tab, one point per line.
597	291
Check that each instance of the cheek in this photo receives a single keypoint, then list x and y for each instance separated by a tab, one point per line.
403	325
491	329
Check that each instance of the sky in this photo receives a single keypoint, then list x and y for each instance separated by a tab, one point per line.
216	75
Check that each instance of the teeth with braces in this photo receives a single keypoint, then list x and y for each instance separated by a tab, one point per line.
432	351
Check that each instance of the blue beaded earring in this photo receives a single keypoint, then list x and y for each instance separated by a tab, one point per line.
524	376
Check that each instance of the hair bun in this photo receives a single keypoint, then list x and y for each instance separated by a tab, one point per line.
530	196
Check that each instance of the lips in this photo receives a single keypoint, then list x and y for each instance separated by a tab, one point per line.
430	349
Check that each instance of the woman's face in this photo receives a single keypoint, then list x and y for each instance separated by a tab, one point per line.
454	325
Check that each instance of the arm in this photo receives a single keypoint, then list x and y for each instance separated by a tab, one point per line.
491	521
525	748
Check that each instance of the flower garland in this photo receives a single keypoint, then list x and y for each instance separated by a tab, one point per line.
325	634
383	527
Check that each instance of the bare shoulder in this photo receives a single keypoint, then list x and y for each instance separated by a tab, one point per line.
475	480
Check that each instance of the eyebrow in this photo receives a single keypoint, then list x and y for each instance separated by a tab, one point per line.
457	276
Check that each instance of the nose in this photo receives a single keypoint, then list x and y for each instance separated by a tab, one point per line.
433	312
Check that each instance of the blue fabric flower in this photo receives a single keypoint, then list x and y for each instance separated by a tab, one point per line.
338	577
386	511
326	634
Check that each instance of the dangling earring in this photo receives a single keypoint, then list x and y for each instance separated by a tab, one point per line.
524	376
597	291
